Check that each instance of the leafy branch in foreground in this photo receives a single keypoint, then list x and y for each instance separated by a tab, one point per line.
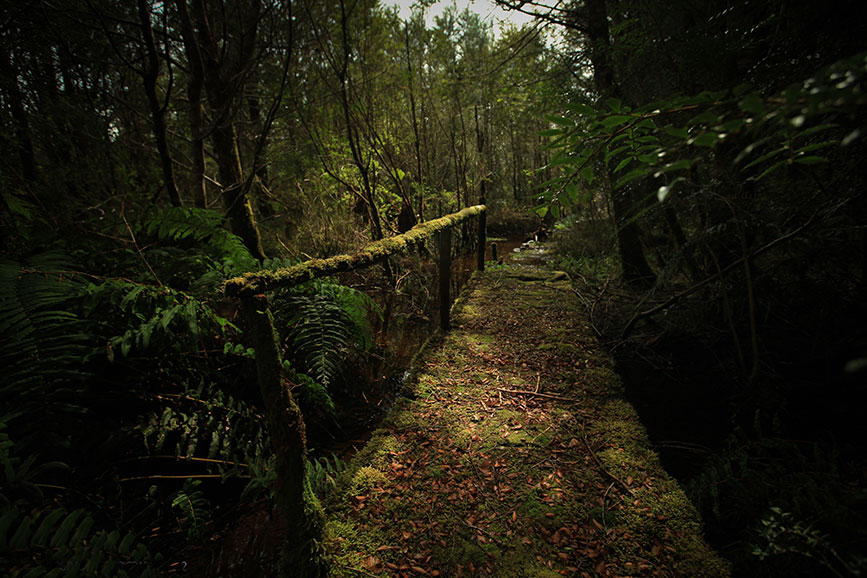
665	140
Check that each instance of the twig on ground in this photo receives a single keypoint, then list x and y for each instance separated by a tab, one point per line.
536	393
601	467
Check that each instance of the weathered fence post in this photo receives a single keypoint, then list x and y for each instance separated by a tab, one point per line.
296	502
444	244
483	235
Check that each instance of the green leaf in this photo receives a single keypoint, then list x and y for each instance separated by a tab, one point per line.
631	176
811	160
551	132
615	120
675	166
678	132
571	193
587	174
541	211
767	156
581	109
622	164
559	120
614	104
707	139
563	158
753	104
616	151
192	319
771	169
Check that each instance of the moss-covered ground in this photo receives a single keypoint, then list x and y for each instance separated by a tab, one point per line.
514	455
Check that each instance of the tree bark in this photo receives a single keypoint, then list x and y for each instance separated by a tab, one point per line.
23	134
223	81
351	135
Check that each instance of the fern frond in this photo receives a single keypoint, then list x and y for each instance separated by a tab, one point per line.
56	542
193	508
320	332
43	342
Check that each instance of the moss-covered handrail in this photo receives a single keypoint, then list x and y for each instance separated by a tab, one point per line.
260	281
303	552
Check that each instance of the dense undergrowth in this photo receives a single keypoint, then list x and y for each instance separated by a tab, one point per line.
130	417
774	464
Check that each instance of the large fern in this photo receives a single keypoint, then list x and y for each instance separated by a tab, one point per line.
321	321
207	422
55	543
44	345
191	249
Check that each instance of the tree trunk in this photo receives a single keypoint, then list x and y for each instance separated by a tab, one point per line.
194	93
235	199
636	270
224	80
303	553
23	134
149	76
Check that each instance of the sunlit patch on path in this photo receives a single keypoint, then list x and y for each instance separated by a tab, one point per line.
514	455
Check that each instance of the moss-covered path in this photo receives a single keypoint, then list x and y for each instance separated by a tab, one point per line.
514	455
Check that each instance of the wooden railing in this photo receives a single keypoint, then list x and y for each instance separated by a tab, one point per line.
295	501
377	252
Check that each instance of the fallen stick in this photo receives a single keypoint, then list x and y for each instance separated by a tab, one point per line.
536	393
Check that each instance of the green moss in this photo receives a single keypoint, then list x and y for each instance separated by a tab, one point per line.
559	348
376	252
467	494
367	478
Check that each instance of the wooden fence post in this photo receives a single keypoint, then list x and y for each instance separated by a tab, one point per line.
296	502
483	235
444	244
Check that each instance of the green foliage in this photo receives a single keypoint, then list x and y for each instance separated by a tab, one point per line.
44	345
321	321
18	482
207	421
765	488
800	126
323	472
153	314
57	543
191	247
39	540
192	508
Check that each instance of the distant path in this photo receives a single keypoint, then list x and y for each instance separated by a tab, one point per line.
514	457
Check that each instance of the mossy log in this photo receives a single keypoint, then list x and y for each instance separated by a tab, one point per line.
376	252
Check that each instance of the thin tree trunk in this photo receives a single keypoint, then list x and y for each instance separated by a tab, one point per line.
149	75
222	84
351	135
23	134
194	93
415	131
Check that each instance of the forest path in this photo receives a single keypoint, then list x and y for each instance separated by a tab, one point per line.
514	455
